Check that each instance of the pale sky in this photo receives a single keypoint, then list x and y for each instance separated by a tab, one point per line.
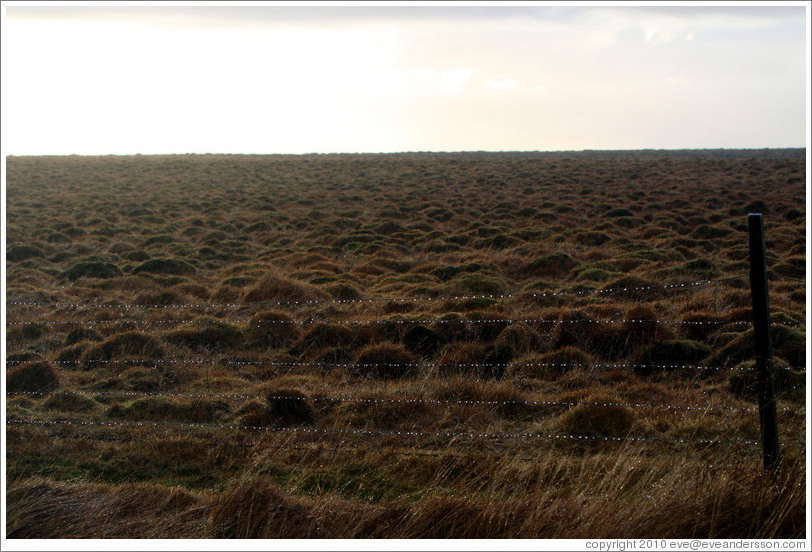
126	78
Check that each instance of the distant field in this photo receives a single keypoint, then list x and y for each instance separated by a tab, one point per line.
472	345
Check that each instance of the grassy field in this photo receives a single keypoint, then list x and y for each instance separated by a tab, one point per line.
427	345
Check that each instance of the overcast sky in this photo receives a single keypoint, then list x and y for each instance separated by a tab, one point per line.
141	78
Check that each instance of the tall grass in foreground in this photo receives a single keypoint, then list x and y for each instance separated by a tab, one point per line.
620	495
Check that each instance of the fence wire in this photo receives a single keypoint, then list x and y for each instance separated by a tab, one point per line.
495	296
401	322
493	319
384	432
154	362
402	400
351	448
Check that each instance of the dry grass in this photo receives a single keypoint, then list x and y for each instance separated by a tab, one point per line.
602	496
272	332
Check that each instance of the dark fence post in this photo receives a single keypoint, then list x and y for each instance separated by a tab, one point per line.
761	328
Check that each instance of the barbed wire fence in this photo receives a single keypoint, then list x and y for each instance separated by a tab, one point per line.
459	297
633	293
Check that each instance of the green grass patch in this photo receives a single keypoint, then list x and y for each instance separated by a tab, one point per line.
358	481
16	253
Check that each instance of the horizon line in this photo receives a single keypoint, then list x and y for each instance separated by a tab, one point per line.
587	150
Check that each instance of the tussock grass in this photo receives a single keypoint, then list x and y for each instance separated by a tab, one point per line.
48	509
273	287
520	338
600	416
457	358
251	511
82	334
122	345
421	341
550	365
174	409
92	269
273	329
207	334
507	400
21	252
321	336
289	407
550	265
32	377
385	361
788	344
177	267
282	284
70	401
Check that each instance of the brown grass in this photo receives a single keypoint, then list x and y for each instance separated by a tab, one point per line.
722	503
385	361
459	417
274	287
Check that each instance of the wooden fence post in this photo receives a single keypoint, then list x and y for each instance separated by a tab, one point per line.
768	418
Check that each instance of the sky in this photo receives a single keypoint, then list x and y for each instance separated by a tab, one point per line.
137	77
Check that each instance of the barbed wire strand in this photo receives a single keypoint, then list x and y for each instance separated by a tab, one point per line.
389	400
390	432
530	294
345	447
260	323
288	364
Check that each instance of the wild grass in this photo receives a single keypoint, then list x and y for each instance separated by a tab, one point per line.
400	346
353	498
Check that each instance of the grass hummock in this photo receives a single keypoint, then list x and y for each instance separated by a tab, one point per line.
418	345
